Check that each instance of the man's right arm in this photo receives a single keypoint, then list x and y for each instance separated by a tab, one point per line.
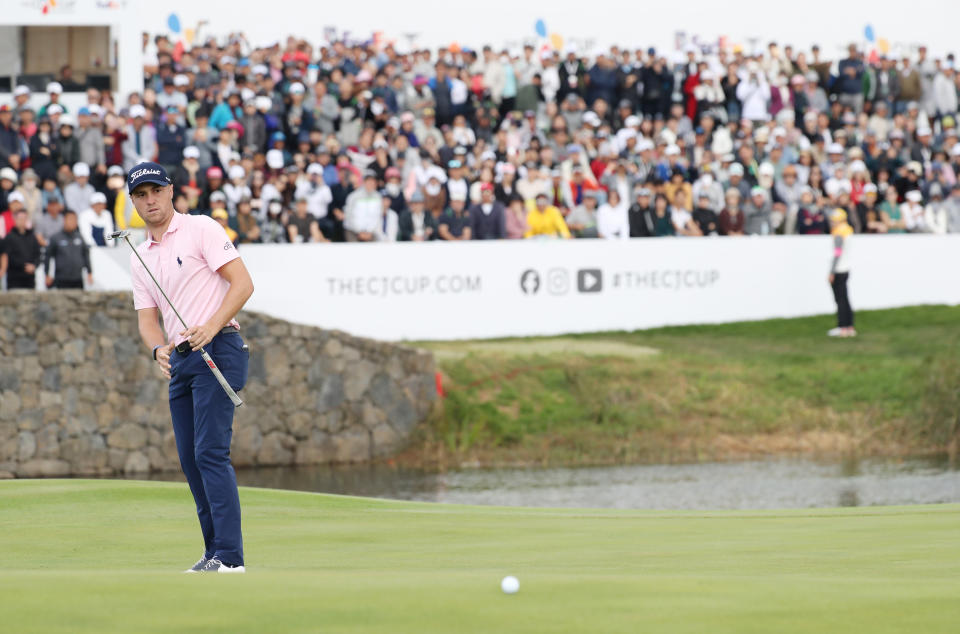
148	322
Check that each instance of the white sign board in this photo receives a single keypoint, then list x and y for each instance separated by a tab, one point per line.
523	288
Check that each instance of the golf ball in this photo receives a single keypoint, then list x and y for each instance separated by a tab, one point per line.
510	585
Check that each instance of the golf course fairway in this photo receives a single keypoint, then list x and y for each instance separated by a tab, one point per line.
106	556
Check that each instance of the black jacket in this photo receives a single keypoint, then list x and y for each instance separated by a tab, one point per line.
488	227
21	249
642	221
406	226
70	254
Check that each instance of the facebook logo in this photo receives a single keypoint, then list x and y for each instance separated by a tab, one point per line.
589	280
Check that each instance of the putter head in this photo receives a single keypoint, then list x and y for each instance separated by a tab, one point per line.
117	235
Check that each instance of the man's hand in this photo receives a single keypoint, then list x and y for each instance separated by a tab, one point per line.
830	278
199	336
89	279
29	267
49	281
163	358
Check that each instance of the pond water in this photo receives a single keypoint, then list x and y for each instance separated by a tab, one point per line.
758	484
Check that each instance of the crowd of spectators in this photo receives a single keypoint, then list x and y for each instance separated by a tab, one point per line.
357	142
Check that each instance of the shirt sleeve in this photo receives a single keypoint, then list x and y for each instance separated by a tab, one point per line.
142	285
215	244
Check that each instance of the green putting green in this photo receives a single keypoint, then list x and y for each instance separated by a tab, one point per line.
105	556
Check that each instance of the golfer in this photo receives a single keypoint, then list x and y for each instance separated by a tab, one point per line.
199	269
841	230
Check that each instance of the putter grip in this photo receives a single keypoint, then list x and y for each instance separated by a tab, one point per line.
220	378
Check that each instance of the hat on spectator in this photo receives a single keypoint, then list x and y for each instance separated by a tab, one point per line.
98	198
67	120
955	150
631	121
28	174
220	214
736	170
758	191
8	174
857	166
913	105
315	168
641	190
147	172
454	163
84	111
834	148
53	109
81	169
191	152
263	103
458	195
54	87
114	170
486	187
214	172
392	172
296	88
16	196
869	188
21	90
275	207
849	118
137	111
227	59
766	169
259	69
915	167
935	191
924	131
672	150
914	196
644	145
275	159
591	118
218	195
181	80
237	171
416	196
369	174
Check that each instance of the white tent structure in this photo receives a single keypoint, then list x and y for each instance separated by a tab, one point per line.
97	38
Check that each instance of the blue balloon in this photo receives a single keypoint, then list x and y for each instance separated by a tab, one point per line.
174	23
868	33
541	28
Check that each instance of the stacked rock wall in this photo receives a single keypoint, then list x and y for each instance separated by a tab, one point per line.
79	394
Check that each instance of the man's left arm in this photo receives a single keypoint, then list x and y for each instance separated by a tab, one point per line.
241	288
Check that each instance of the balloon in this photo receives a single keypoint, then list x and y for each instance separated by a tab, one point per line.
868	33
556	41
454	47
541	28
873	58
174	23
883	45
188	35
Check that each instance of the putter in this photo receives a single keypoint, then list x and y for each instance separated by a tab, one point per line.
125	235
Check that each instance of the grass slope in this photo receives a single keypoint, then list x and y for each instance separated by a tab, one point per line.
103	556
711	392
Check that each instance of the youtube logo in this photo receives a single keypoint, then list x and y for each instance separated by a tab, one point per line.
589	280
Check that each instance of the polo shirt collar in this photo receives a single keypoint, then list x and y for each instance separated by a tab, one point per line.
175	223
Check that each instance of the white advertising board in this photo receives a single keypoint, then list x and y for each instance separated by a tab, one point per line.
524	288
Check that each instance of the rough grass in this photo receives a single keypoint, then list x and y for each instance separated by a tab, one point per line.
716	391
103	556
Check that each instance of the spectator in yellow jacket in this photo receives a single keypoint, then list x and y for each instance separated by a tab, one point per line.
545	220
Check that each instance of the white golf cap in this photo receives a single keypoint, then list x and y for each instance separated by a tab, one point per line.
924	131
54	109
247	94
237	171
218	195
834	148
315	168
260	69
54	87
296	88
858	166
191	152
97	197
114	170
181	80
672	150
736	170
137	111
21	90
15	197
81	169
631	121
275	159
644	144
914	196
869	188
264	103
95	109
8	173
766	169
67	120
955	150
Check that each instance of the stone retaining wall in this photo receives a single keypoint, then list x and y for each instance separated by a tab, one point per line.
79	395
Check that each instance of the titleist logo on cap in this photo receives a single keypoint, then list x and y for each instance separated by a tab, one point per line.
144	172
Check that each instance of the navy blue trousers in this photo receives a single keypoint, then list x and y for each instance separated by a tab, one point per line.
203	424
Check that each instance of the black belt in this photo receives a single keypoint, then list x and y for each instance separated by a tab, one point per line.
184	348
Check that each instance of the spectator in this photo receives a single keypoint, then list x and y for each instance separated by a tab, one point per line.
810	217
273	230
681	217
914	214
455	223
416	224
319	197
849	83
70	255
22	251
582	220
757	211
141	139
301	226
388	228
10	147
171	140
516	218
953	211
731	221
67	142
51	222
363	211
76	195
44	150
705	217
936	211
32	199
223	219
245	223
612	220
89	138
663	221
95	221
890	212
487	218
640	214
544	220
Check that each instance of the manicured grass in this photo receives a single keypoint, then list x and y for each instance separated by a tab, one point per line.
104	556
759	387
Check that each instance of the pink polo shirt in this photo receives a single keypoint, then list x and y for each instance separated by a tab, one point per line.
185	262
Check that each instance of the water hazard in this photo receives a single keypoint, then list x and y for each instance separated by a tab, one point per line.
761	484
